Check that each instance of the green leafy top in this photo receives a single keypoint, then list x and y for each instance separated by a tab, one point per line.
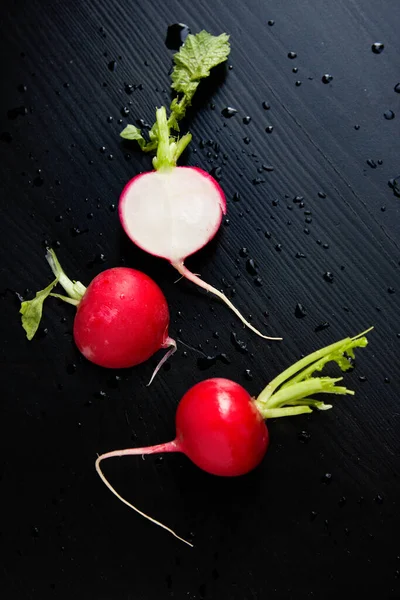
290	392
194	61
31	310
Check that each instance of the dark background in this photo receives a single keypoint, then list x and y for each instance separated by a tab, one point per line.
285	530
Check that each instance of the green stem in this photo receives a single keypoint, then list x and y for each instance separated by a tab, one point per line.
289	393
65	299
169	148
74	289
317	359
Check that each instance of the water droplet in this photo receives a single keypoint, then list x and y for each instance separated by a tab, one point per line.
389	115
268	168
295	70
109	119
258	281
321	326
35	532
176	35
313	515
304	437
251	267
228	112
326	78
377	47
125	111
71	368
205	362
298	83
22	88
271	22
278	247
362	378
236	197
292	55
342	501
243	252
246	140
379	499
300	255
19	111
394	184
246	120
268	235
397	88
327	478
328	276
391	290
216	172
266	105
248	374
269	129
239	344
258	180
112	65
300	311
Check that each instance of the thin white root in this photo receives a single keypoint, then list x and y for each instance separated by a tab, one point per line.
171	344
184	271
142	514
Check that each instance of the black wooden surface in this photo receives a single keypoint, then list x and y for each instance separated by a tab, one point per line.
285	530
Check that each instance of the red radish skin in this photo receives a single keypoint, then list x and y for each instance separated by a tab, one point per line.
172	213
219	428
122	319
222	429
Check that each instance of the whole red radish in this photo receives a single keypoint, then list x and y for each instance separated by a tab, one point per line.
172	212
222	429
121	319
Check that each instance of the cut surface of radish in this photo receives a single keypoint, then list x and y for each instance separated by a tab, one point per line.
172	213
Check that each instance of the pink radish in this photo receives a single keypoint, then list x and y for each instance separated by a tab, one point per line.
221	428
172	212
121	320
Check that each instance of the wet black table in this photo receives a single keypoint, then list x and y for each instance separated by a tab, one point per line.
306	180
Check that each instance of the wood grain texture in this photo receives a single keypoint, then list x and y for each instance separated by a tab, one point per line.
62	533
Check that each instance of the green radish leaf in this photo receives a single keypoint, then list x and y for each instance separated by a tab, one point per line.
194	61
133	133
31	310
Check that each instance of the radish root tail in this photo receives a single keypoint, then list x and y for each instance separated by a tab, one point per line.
184	271
114	491
171	344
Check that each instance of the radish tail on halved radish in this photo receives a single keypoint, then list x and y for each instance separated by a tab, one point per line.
184	271
167	447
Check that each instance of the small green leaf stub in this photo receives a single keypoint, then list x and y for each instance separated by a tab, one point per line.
31	310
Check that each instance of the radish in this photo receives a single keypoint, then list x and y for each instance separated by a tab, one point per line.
122	317
172	212
221	428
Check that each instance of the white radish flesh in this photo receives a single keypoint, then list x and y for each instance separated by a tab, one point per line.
172	213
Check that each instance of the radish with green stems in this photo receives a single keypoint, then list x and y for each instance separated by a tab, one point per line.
222	429
121	319
172	212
